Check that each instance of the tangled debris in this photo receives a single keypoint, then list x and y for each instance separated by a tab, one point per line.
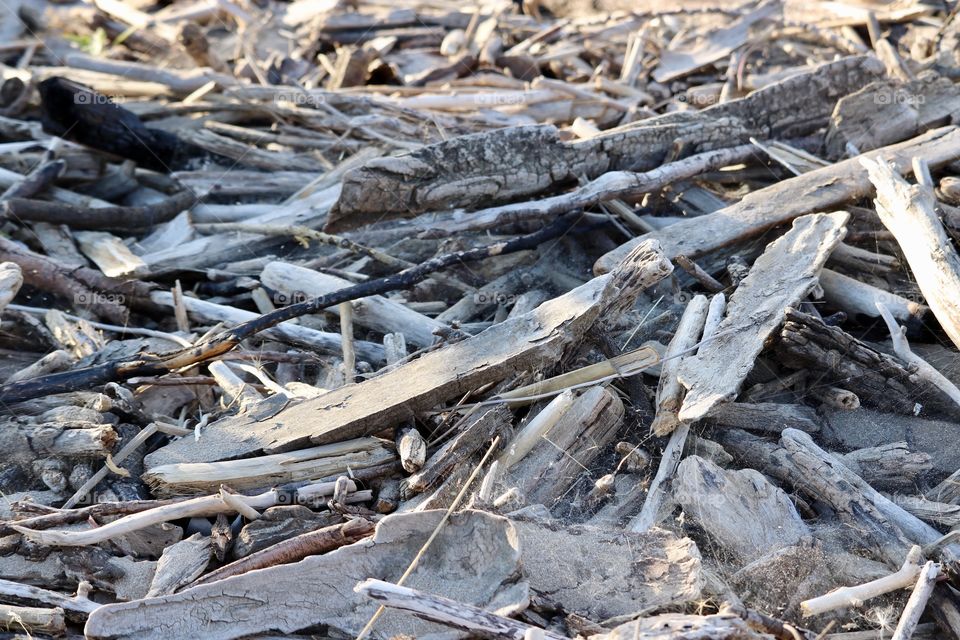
541	319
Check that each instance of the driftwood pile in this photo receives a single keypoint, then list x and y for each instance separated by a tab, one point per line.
540	319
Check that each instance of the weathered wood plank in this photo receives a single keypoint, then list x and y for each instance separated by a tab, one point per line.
474	556
786	272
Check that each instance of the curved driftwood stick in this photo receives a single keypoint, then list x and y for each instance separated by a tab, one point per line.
924	370
855	596
458	615
197	507
52	517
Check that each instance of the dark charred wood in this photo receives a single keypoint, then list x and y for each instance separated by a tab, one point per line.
75	112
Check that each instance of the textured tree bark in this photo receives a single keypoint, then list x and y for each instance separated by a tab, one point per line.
503	165
179	564
264	471
582	433
609	186
765	416
884	527
887	111
23	441
888	466
476	433
878	379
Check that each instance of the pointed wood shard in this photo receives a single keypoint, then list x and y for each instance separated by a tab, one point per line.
352	411
781	277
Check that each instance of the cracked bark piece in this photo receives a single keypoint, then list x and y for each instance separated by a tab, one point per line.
779	279
604	573
514	345
745	513
475	557
506	164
